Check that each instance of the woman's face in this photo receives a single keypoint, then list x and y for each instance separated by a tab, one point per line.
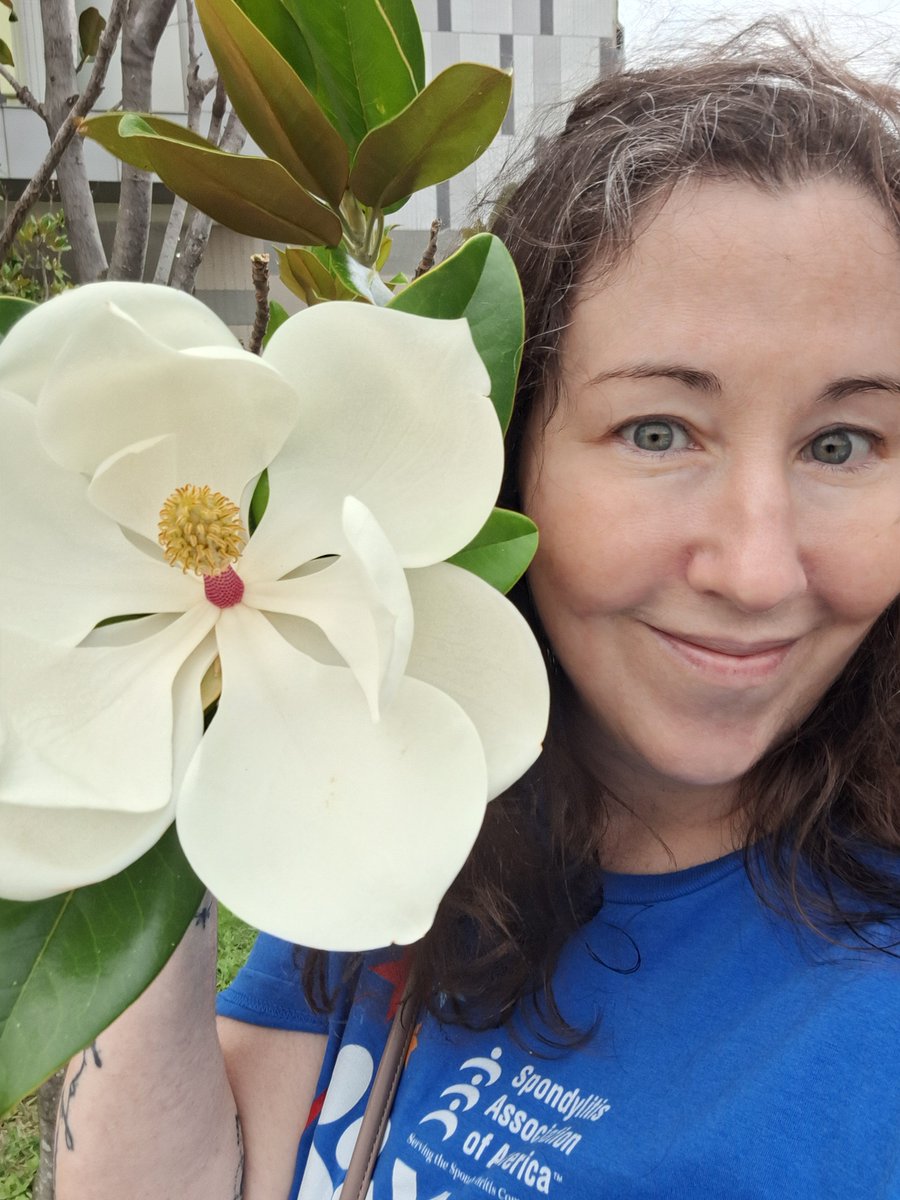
718	490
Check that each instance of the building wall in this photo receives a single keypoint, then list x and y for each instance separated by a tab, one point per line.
554	47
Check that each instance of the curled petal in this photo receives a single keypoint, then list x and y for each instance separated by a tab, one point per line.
396	413
130	486
474	645
92	727
326	828
360	601
44	851
66	566
172	317
115	385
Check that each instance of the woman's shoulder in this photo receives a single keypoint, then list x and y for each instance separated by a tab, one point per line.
286	986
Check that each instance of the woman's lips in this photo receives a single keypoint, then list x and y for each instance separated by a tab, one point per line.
726	660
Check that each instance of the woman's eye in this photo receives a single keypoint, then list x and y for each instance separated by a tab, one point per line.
839	446
656	435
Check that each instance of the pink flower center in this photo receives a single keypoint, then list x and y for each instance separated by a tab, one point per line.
224	590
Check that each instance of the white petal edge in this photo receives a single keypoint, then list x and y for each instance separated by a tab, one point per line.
310	821
45	851
93	727
117	385
171	316
360	601
396	413
473	644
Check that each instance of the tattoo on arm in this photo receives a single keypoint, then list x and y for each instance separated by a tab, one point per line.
68	1094
239	1173
203	915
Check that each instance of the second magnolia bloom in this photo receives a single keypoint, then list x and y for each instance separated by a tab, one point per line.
373	698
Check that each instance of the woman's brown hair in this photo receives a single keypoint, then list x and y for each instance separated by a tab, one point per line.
769	108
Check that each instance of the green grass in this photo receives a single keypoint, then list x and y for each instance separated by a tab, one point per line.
19	1150
235	940
19	1140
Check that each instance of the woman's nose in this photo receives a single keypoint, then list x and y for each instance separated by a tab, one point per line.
746	547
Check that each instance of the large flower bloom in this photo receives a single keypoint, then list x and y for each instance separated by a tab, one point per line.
373	696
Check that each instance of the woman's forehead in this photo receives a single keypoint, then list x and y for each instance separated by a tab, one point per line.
819	252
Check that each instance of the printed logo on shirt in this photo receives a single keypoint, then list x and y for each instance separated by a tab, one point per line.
520	1132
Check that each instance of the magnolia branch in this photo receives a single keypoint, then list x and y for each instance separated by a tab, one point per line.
260	272
68	129
23	95
430	250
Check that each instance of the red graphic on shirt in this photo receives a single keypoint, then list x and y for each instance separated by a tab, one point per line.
315	1108
396	972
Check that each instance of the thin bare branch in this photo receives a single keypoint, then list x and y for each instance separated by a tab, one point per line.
430	250
68	129
259	269
217	114
197	91
23	94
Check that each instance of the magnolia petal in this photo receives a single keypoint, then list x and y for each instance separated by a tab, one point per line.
66	566
93	727
315	823
45	851
131	486
188	708
174	318
397	414
114	385
360	601
186	694
473	644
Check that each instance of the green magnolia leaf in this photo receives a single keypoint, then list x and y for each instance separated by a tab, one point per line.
69	965
368	57
90	27
6	56
302	273
317	273
444	129
501	551
246	193
478	282
259	501
279	111
278	314
278	27
12	309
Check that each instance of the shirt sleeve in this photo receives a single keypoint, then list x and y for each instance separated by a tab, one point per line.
268	990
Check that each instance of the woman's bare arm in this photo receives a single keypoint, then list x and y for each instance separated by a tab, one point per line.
150	1109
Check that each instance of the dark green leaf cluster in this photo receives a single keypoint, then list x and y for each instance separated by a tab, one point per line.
335	95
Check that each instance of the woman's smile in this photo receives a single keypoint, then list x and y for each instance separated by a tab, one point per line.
723	662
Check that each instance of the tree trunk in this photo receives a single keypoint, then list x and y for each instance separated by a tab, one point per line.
184	275
144	25
60	44
48	1106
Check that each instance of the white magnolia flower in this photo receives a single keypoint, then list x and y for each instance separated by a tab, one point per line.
373	696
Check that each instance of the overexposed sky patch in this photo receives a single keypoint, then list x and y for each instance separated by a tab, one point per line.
868	28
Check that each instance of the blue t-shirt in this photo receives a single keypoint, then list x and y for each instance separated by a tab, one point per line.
734	1055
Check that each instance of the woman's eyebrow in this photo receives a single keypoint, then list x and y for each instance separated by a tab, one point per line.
692	377
841	388
707	381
